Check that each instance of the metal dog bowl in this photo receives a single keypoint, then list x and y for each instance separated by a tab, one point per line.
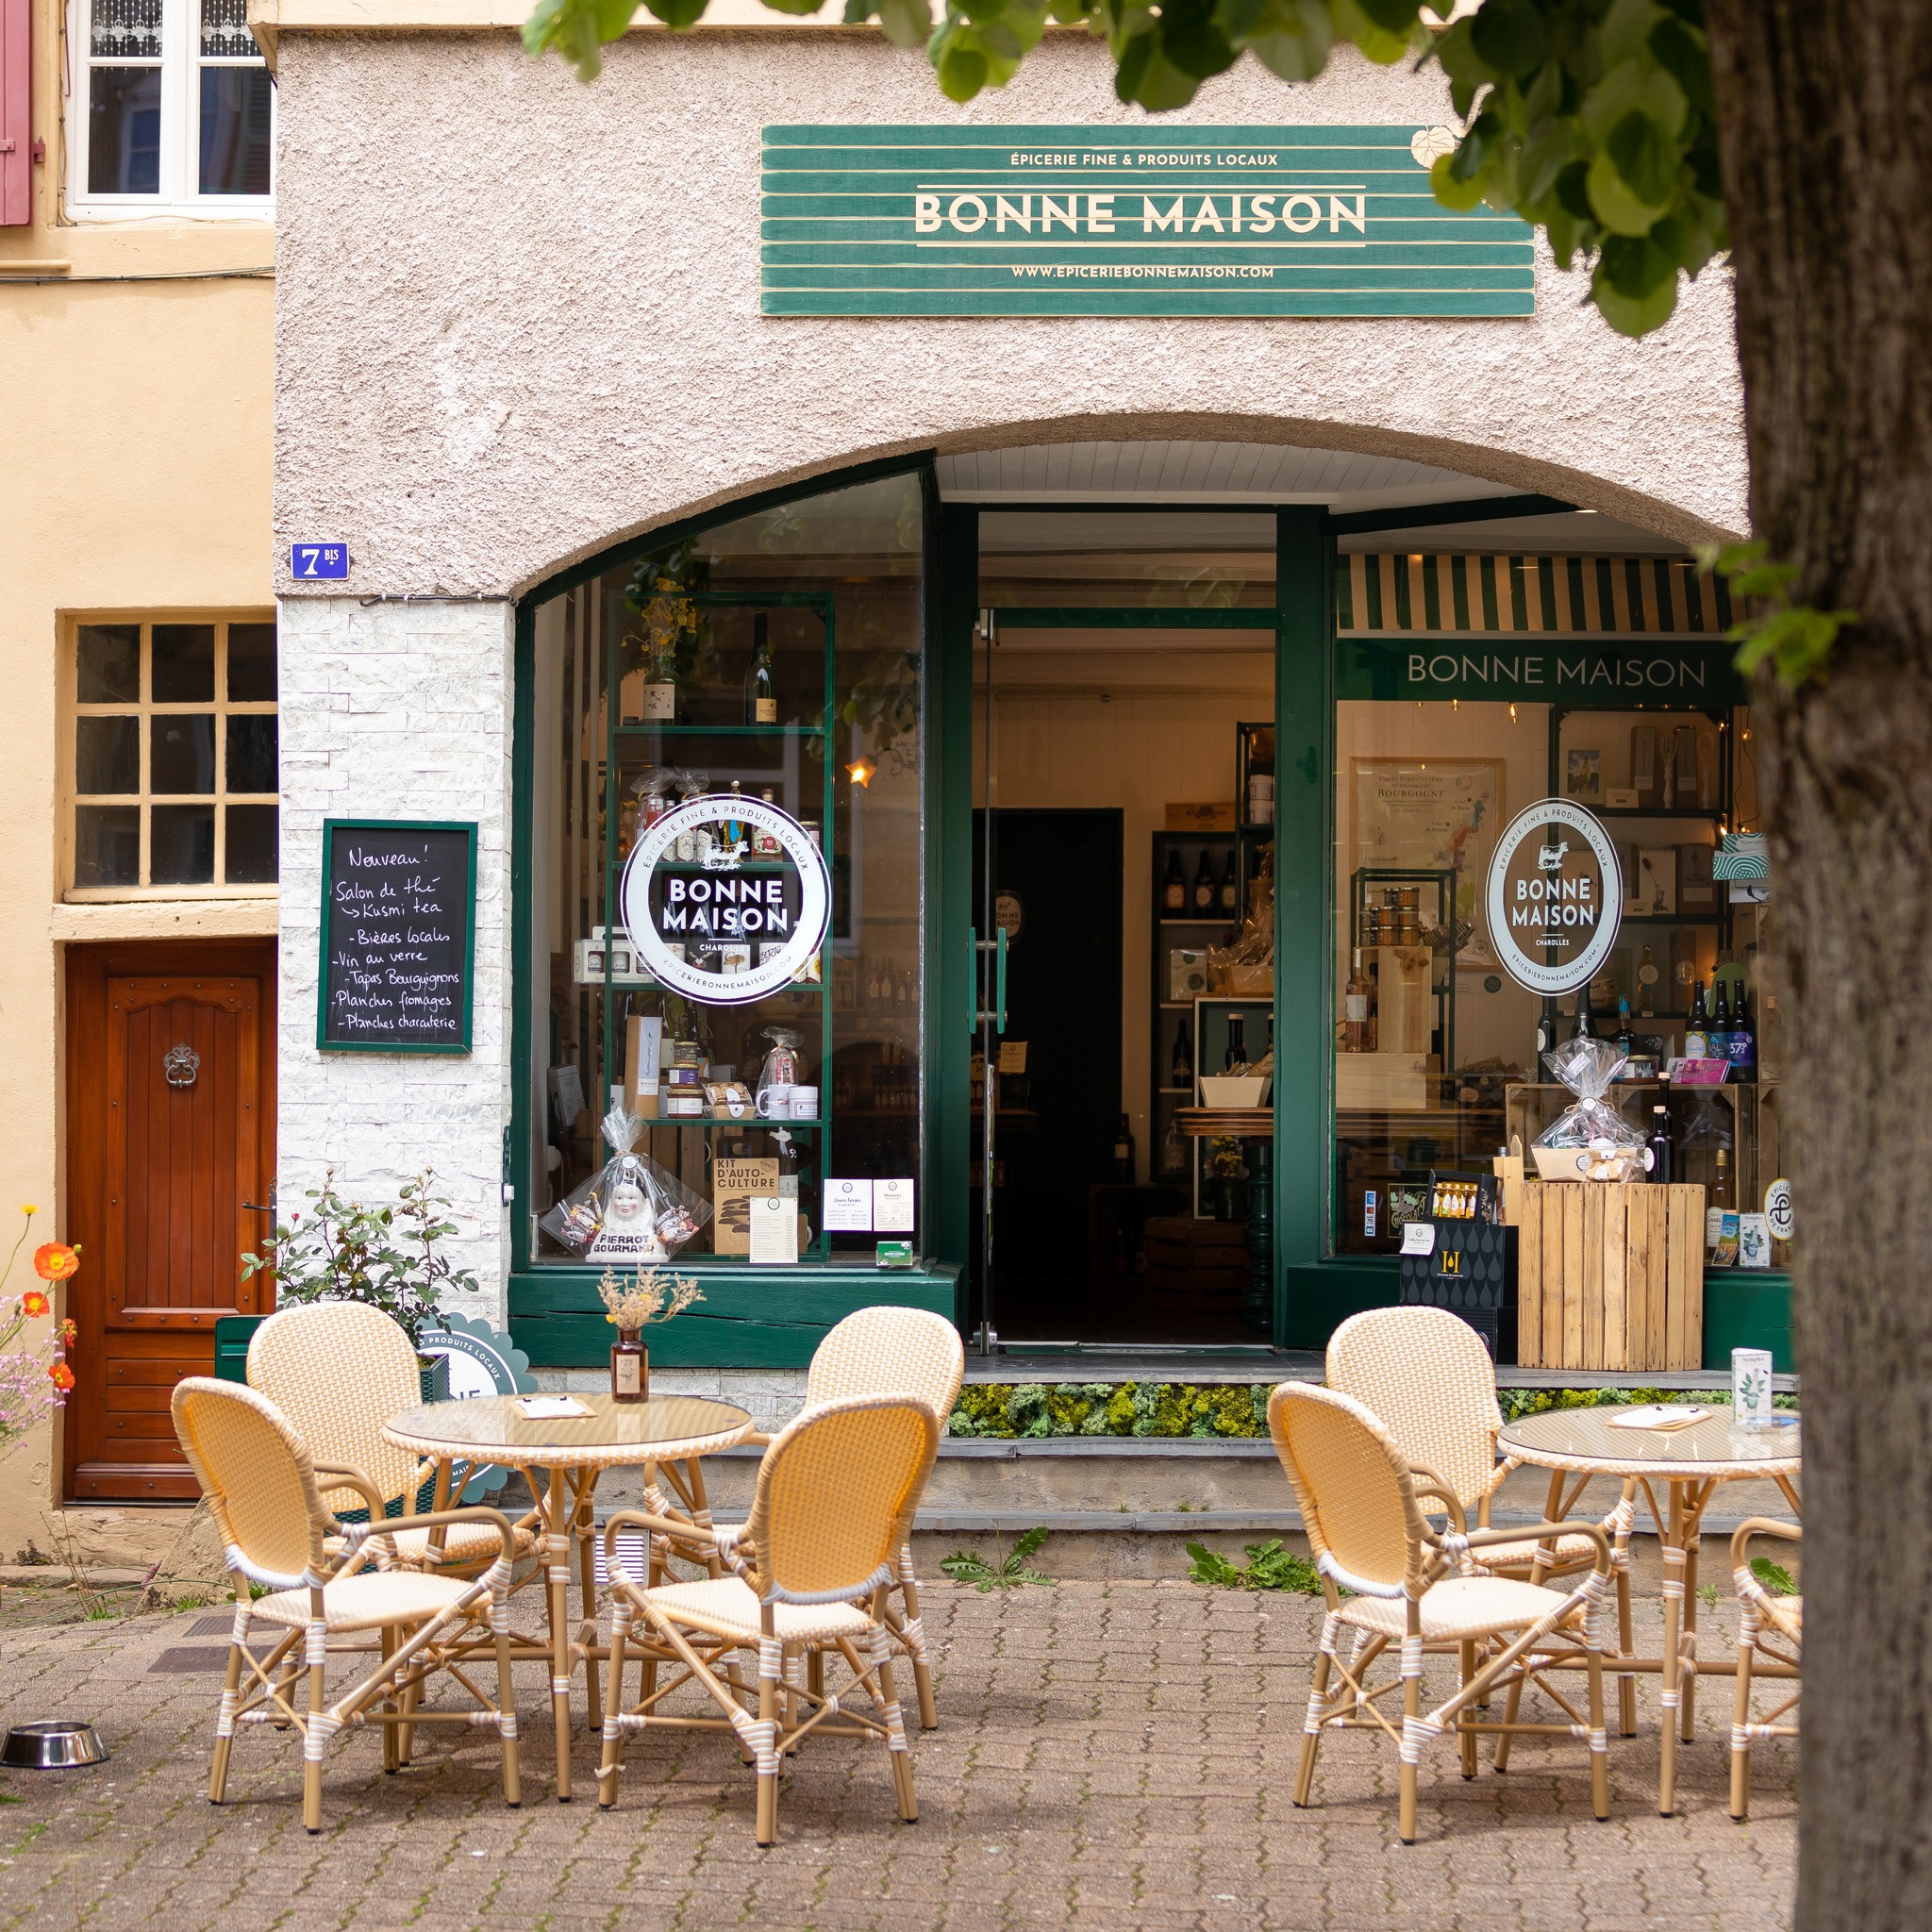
52	1745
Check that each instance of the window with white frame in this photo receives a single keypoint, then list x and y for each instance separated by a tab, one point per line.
175	109
174	766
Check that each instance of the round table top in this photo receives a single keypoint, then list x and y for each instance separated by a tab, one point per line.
488	1428
1583	1438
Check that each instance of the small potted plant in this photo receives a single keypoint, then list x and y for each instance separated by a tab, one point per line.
33	1380
631	1306
386	1258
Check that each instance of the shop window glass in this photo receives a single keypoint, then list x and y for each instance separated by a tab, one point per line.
174	787
1435	1063
780	654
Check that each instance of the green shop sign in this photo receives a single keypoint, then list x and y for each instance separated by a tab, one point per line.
1659	671
1126	221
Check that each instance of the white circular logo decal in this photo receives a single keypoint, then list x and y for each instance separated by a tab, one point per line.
1778	1209
724	929
1555	896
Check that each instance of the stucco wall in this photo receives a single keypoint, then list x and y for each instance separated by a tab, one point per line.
518	317
398	711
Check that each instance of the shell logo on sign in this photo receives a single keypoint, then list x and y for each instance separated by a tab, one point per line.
1555	897
719	927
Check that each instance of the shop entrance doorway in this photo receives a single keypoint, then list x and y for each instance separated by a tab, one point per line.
1123	698
170	1112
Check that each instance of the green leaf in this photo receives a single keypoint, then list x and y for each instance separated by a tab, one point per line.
1626	30
672	13
1025	1546
1633	315
1509	35
1191	38
1393	16
1352	22
1647	158
1292	37
1614	203
1450	191
1773	1576
1683	55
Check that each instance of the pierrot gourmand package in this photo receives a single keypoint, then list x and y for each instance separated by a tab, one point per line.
633	1211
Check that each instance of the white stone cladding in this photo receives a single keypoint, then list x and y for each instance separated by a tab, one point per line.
399	711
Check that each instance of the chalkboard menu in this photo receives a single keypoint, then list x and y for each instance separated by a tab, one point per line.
398	935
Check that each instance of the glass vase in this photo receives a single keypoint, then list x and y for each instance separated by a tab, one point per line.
630	1367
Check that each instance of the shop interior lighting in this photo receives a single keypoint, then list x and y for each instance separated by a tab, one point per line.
861	772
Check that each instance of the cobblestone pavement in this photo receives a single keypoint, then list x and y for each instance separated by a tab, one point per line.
1109	1755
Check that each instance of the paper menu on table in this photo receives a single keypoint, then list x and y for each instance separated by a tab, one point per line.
892	1207
848	1207
1659	1415
547	1408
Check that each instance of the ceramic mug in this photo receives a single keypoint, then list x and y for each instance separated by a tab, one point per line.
804	1103
774	1103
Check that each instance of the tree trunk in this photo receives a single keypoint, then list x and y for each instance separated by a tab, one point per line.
1827	151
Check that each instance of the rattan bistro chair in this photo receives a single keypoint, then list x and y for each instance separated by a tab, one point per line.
810	1573
261	1486
1425	1376
339	1371
1770	1640
888	1351
1362	1508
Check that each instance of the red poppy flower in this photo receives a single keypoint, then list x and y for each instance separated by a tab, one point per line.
61	1376
56	1260
68	1333
33	1304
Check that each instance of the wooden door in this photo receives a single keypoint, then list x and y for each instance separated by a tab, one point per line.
171	1109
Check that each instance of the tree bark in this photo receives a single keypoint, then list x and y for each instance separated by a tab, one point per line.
1826	138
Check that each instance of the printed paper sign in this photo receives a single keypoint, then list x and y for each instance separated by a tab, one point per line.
848	1207
1012	1055
1419	1237
892	1207
773	1229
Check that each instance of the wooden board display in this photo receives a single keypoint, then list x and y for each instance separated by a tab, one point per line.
398	935
1610	1277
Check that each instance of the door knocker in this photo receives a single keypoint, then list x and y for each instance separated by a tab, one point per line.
179	1065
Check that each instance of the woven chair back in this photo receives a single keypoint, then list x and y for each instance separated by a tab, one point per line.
255	1473
1350	1482
339	1371
888	1352
1425	1376
837	1489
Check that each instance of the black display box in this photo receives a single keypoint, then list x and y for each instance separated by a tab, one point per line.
1471	1272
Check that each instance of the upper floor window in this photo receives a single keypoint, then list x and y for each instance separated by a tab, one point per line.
174	773
179	108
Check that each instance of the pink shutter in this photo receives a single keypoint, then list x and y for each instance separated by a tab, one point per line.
16	114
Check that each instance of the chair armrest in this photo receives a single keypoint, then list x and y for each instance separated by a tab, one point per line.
677	1530
1430	1483
1759	1526
474	1512
757	1439
339	1476
1539	1532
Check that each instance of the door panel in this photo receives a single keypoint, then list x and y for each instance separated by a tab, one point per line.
170	1112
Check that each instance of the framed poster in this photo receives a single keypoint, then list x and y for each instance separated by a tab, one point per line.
1432	814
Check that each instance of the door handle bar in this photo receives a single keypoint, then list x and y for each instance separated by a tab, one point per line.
997	947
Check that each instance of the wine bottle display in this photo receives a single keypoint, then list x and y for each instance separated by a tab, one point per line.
760	691
1204	885
1173	887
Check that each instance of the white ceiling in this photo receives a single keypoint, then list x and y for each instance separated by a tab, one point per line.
1181	473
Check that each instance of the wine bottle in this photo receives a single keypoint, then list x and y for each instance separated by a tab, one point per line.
1697	1029
1173	887
1204	885
1717	1207
1583	1026
1663	1159
1183	1059
1236	1061
1230	886
1743	1041
1719	1033
1627	1039
1355	1010
1124	1154
760	691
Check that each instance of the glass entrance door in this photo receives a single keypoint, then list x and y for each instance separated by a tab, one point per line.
1123	703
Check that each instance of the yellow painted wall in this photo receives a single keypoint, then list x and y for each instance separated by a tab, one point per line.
135	422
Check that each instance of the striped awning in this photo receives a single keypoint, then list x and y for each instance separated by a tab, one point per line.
1393	594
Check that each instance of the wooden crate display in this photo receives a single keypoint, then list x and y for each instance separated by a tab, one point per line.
1609	1276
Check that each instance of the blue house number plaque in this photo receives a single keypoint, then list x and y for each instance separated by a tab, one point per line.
319	560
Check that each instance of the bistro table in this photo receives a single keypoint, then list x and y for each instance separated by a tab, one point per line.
1692	1461
568	1452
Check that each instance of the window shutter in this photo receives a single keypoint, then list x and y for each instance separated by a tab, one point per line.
16	114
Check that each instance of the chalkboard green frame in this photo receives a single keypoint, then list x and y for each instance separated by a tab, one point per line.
322	1042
